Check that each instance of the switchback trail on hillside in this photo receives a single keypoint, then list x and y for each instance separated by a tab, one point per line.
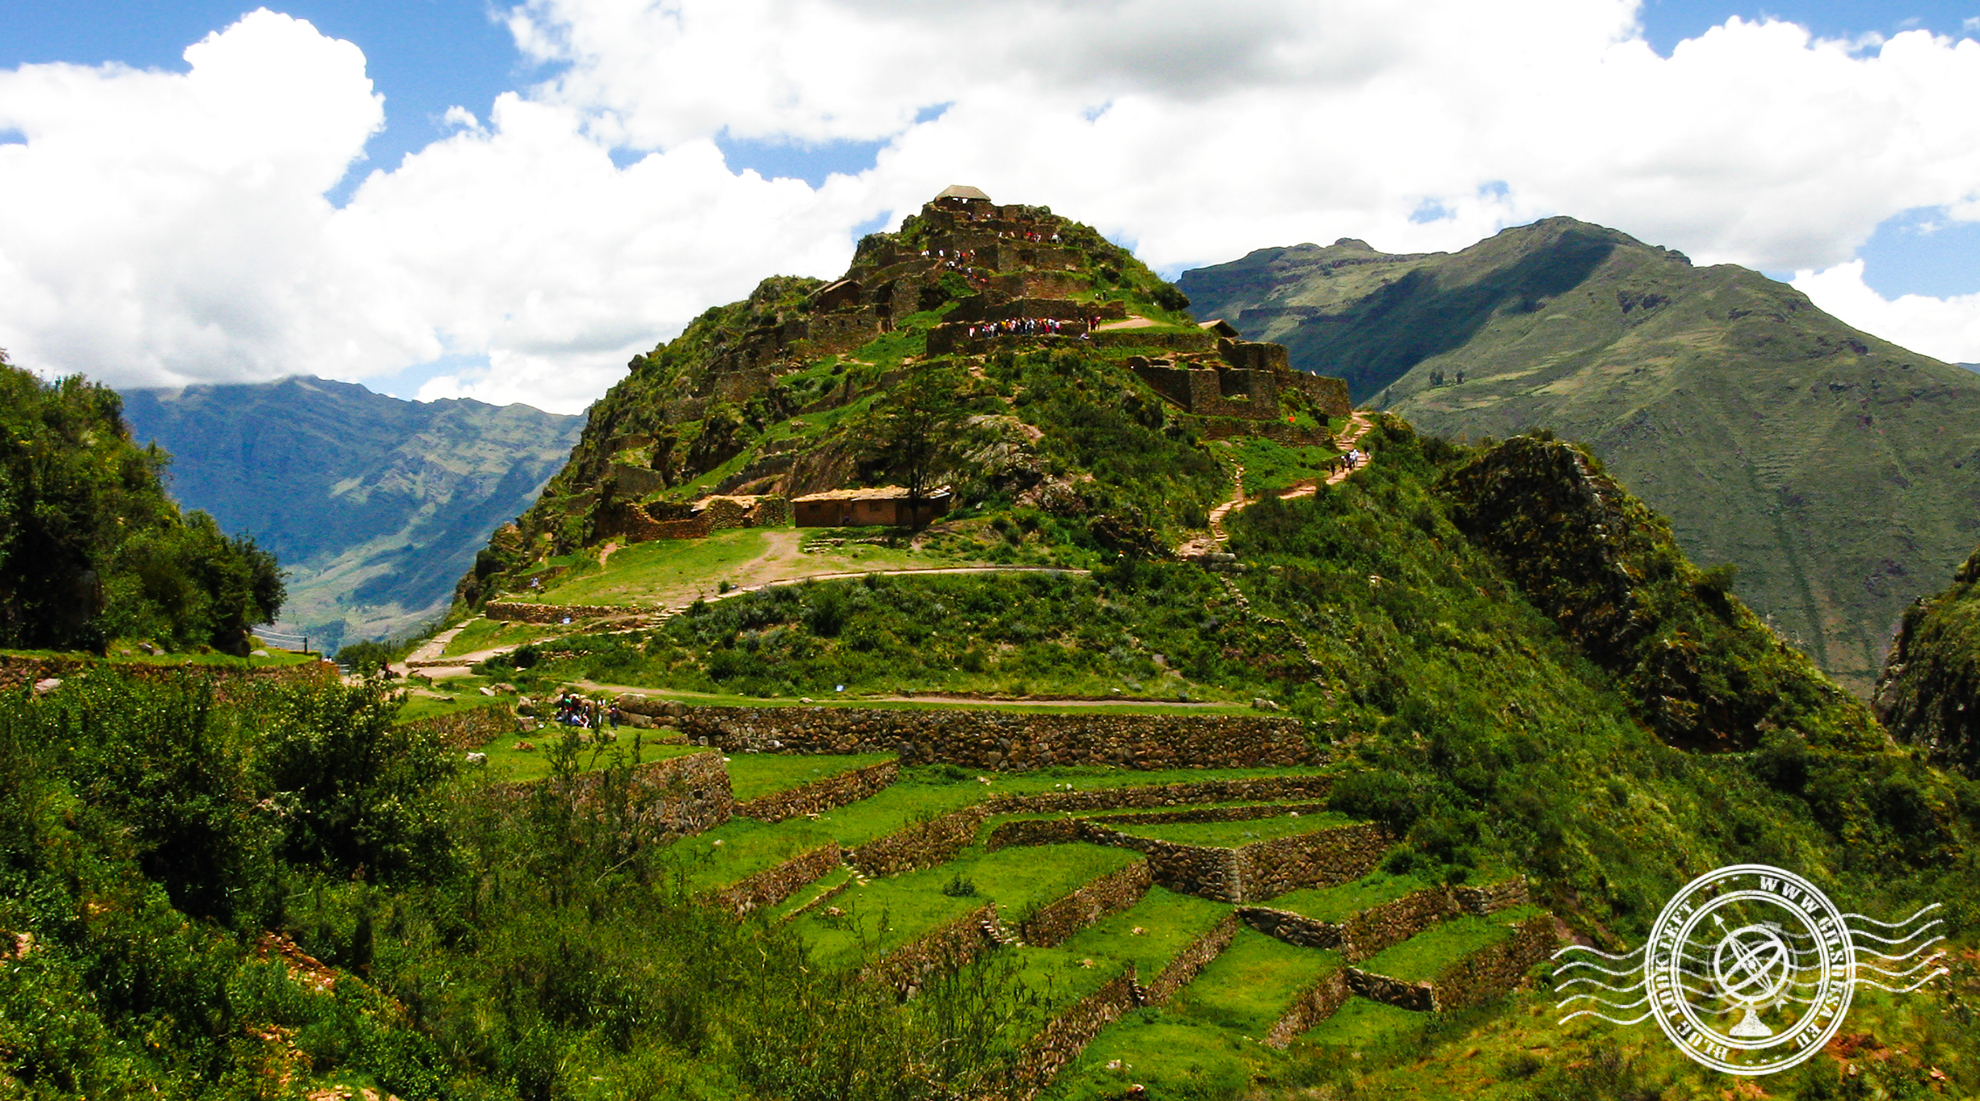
1217	538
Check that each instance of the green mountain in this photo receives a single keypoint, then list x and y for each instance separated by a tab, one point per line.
91	548
374	505
1052	794
1836	470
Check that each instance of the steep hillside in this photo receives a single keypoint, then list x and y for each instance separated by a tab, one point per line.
1835	470
1929	694
375	505
1035	370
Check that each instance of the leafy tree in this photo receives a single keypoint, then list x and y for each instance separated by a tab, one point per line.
91	547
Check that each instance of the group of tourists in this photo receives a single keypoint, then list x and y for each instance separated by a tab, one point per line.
1023	326
575	710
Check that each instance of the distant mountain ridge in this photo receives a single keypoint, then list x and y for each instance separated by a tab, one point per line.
1839	471
373	504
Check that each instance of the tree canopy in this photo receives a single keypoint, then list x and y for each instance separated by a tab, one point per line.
92	547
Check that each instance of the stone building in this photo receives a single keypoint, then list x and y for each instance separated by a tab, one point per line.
886	506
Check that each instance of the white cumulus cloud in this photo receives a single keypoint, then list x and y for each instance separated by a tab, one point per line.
1945	328
158	227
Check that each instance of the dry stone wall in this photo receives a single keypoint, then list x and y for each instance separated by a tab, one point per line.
1417	997
822	795
774	885
1492	971
674	797
1315	1004
999	741
921	845
907	968
1295	929
1065	1036
1263	869
18	671
1109	894
468	729
1190	962
1268	869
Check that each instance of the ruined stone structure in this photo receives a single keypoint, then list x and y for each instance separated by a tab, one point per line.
637	523
880	505
1245	379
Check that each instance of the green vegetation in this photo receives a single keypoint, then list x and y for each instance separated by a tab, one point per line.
756	774
1769	433
1933	672
1425	955
884	913
1341	902
92	549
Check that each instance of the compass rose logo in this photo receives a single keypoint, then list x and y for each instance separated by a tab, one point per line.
1750	969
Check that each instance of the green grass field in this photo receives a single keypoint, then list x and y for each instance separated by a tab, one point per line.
1422	956
1361	1023
1338	903
755	774
1168	921
885	913
483	634
506	762
638	573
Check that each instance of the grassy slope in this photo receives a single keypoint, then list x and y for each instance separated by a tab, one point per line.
1837	479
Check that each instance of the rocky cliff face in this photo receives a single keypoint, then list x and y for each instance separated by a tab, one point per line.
1929	694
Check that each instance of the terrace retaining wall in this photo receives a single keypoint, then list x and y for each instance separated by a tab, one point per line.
774	885
677	796
920	845
18	671
1109	894
946	948
1417	997
1295	929
1065	1036
1000	740
470	729
1267	869
1492	971
822	795
1315	1004
1369	931
1190	962
1262	869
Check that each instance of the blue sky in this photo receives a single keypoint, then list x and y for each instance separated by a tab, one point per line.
598	79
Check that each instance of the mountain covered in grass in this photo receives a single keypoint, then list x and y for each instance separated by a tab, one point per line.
1491	663
1835	470
374	504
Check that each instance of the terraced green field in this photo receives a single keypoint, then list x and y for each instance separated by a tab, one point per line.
1245	832
882	914
752	775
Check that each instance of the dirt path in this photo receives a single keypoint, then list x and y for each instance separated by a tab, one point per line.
1217	539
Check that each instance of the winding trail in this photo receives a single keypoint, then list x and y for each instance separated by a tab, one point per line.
1218	538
